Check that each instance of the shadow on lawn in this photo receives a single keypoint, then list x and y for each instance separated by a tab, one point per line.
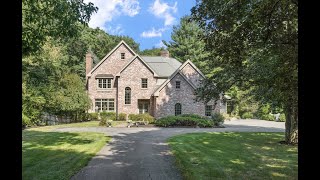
54	155
36	138
141	155
145	154
236	156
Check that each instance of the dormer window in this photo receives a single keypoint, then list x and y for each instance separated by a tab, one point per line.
123	55
104	83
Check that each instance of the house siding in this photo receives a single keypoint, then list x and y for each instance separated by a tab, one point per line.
131	77
160	106
191	74
169	96
112	65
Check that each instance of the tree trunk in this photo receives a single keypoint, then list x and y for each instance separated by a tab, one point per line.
291	125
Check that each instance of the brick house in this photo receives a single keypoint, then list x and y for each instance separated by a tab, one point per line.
124	82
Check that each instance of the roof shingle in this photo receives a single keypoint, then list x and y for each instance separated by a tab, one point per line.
163	66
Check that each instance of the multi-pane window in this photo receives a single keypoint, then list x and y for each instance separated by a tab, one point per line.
104	105
143	108
104	83
178	84
123	55
127	95
144	83
208	110
177	109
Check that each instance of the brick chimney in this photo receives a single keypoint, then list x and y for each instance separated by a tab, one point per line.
164	53
88	62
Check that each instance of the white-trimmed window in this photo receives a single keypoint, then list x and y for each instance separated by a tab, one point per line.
208	111
177	109
104	105
144	83
104	83
178	84
123	55
127	95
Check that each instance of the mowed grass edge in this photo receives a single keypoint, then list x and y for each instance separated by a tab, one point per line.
234	156
58	155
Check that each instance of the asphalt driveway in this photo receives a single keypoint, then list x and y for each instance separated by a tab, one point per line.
142	153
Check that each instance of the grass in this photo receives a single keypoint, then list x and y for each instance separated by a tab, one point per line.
56	155
234	156
80	124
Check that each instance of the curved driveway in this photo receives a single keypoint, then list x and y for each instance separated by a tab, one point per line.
142	153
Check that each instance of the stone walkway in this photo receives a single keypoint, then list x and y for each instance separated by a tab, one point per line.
142	153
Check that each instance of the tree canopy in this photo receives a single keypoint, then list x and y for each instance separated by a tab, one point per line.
151	52
55	40
187	43
253	44
54	18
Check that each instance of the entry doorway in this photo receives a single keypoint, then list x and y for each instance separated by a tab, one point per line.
143	105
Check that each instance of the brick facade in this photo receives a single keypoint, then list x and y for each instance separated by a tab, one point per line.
170	95
191	74
131	77
128	73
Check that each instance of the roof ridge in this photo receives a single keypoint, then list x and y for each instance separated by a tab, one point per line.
143	61
106	56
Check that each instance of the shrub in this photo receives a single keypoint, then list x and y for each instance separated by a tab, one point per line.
247	115
141	117
192	116
282	118
108	115
183	121
85	117
122	117
267	117
146	117
226	116
93	116
132	117
25	121
217	119
103	122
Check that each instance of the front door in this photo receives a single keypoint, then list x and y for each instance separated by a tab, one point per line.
143	106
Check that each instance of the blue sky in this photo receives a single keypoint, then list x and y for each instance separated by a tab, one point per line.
146	21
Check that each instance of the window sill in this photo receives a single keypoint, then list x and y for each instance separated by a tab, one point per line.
144	88
110	89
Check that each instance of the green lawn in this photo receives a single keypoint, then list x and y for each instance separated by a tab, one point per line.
57	155
234	156
80	124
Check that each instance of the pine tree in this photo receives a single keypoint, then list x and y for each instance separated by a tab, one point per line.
187	43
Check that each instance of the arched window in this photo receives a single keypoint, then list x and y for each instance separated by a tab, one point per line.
177	109
127	96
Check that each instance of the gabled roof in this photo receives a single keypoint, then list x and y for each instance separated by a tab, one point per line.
194	66
137	56
103	59
156	93
163	66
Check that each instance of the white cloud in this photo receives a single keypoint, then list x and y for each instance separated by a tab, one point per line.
108	9
163	10
152	33
160	44
130	7
118	30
